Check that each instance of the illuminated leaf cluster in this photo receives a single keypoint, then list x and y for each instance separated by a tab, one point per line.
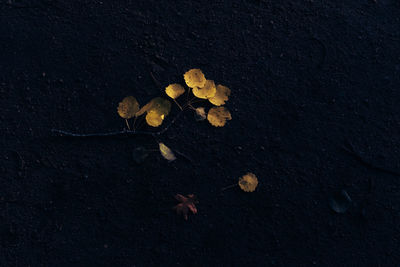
207	90
157	109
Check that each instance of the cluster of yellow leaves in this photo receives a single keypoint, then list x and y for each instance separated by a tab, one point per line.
204	89
156	110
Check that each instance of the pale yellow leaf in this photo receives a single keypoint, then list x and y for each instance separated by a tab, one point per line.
166	152
207	91
221	96
194	78
154	119
218	116
174	90
128	107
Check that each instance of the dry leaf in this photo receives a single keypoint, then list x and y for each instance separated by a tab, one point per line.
200	114
248	182
207	91
166	152
128	107
221	96
186	203
174	90
218	116
194	78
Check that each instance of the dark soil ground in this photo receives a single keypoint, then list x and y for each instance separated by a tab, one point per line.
315	108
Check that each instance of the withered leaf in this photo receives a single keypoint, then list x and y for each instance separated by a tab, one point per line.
128	107
166	152
218	116
186	203
200	114
248	182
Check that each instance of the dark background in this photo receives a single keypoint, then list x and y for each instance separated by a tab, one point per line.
309	80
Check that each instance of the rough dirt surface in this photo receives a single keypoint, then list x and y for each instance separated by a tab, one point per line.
315	110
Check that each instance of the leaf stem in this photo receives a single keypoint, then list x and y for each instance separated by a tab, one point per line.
176	102
123	133
229	186
134	122
187	96
127	124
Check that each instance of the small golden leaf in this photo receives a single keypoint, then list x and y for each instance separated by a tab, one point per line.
194	78
200	114
128	107
166	152
248	182
154	119
221	96
207	91
218	116
174	90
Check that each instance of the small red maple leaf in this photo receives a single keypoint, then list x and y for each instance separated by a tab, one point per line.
187	203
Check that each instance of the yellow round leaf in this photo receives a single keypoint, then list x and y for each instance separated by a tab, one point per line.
207	91
248	182
174	90
218	116
154	119
128	107
221	96
194	78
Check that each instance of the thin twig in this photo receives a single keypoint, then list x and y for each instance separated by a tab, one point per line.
156	81
187	95
127	124
170	124
176	102
123	133
227	187
196	101
20	6
349	148
184	156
